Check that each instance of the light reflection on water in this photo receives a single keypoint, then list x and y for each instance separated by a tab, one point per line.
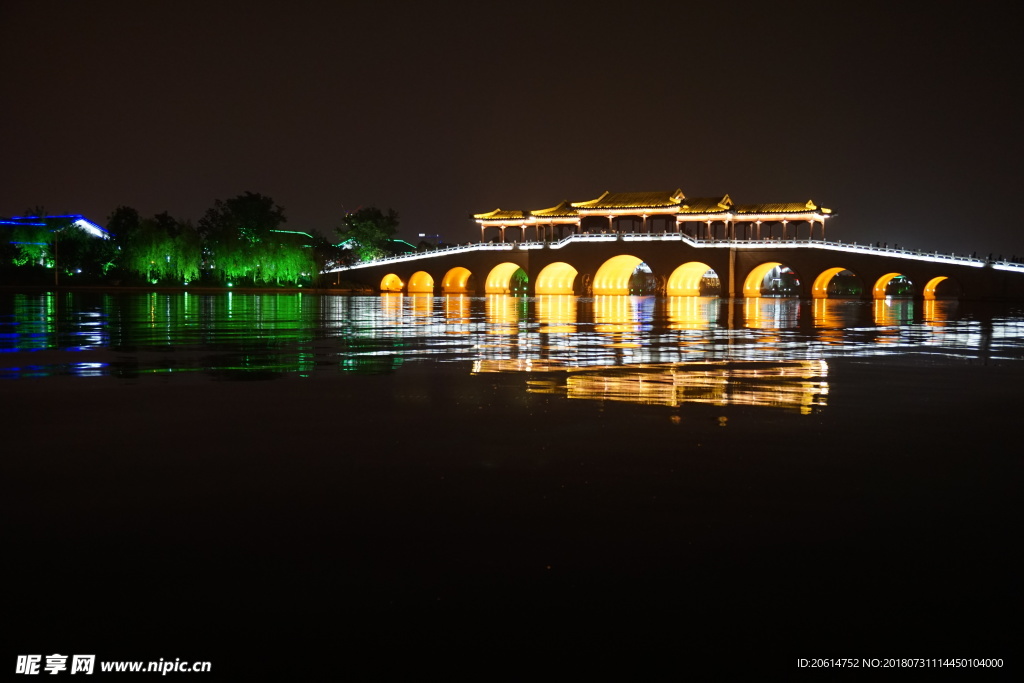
653	350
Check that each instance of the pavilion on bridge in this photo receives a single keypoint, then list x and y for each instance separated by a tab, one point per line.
714	218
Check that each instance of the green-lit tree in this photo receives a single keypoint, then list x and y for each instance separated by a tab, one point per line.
161	248
238	232
284	256
370	231
33	243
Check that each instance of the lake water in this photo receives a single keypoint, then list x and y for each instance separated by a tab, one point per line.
267	336
254	479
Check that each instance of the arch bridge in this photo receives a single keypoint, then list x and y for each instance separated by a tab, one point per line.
676	264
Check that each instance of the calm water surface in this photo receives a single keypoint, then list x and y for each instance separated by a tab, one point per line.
265	336
310	476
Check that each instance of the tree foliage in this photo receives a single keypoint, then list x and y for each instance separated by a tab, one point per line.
249	217
122	224
241	238
238	239
371	231
77	252
32	243
161	248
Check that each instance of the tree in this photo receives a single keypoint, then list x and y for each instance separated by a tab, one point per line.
287	256
122	223
370	230
80	254
237	232
249	217
162	248
38	241
33	243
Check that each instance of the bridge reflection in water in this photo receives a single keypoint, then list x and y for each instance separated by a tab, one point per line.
797	385
624	330
661	339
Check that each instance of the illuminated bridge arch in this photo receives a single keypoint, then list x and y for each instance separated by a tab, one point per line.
787	282
556	278
614	274
892	284
456	281
391	283
949	288
843	282
686	279
504	278
421	282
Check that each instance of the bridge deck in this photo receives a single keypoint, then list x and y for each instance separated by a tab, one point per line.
839	246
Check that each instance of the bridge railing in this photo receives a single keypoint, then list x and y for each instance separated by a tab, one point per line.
700	243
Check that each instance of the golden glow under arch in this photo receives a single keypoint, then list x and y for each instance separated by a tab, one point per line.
820	288
878	291
499	280
556	313
421	282
556	278
752	285
929	288
685	280
455	281
391	283
613	275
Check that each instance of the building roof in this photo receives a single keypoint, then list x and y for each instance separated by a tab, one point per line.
563	210
618	201
633	200
501	215
786	207
78	220
706	204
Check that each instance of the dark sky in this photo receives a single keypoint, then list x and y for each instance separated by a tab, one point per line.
906	122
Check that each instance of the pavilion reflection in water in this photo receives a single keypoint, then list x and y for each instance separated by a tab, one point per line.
255	335
795	385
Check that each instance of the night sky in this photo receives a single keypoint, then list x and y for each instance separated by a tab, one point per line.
906	123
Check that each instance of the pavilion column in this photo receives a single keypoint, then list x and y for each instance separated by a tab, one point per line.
709	230
611	224
503	234
784	223
758	231
643	223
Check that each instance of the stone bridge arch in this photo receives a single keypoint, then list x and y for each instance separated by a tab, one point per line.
421	282
754	282
502	278
572	265
556	278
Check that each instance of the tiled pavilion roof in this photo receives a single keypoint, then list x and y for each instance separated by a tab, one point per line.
633	200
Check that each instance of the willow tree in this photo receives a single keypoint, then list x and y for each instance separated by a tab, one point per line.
237	232
284	256
161	248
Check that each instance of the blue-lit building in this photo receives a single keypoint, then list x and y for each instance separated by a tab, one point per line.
42	221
